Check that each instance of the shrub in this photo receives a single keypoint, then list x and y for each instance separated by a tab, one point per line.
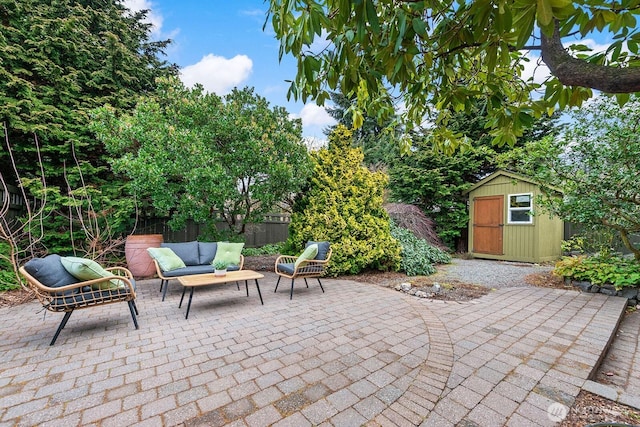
418	256
270	249
343	204
414	219
8	280
600	270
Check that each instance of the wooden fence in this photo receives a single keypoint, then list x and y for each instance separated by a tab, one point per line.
274	229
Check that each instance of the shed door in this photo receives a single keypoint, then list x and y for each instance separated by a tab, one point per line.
488	220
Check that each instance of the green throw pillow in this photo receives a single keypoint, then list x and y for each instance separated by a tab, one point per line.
309	253
229	253
167	259
86	269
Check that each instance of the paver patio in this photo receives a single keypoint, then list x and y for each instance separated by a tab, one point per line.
357	354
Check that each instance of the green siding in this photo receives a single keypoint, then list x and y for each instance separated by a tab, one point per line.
537	242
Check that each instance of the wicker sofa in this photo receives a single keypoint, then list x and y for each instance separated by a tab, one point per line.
59	291
197	257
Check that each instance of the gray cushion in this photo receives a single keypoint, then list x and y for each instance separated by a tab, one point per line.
287	268
323	249
207	252
49	271
187	251
89	297
195	269
192	269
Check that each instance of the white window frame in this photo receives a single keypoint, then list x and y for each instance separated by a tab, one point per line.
520	209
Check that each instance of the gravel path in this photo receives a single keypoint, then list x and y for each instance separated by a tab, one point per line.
494	274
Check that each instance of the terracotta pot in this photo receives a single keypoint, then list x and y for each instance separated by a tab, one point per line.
135	250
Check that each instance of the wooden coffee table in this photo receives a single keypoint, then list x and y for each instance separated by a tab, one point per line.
195	280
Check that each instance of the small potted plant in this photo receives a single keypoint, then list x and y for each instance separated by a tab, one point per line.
220	268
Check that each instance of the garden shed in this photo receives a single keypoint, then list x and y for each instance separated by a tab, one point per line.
504	223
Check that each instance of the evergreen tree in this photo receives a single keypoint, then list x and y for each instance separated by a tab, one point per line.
344	205
59	60
379	145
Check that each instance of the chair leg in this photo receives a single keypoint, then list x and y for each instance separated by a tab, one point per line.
135	307
161	283
277	283
237	285
133	310
291	294
320	285
305	282
166	285
61	326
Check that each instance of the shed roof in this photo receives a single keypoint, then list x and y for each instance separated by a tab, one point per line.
497	174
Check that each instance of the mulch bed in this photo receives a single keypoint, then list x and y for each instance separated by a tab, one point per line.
450	290
15	297
590	408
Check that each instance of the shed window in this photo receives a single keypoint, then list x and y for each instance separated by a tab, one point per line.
521	208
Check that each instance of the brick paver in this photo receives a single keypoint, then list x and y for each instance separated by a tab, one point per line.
357	354
618	378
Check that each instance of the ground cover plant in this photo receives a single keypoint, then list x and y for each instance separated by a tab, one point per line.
601	269
418	256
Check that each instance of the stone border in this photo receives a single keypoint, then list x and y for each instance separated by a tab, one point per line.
630	293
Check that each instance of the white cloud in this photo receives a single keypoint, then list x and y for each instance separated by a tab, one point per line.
320	43
314	120
535	68
154	18
218	74
314	115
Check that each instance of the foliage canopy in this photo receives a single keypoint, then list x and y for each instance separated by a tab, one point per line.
197	155
59	60
434	57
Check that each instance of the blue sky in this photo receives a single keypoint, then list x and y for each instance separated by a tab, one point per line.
221	45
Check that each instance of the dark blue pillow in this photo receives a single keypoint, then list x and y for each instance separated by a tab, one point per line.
207	252
187	251
323	249
49	271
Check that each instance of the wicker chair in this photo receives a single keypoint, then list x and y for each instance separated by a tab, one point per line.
285	266
83	294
